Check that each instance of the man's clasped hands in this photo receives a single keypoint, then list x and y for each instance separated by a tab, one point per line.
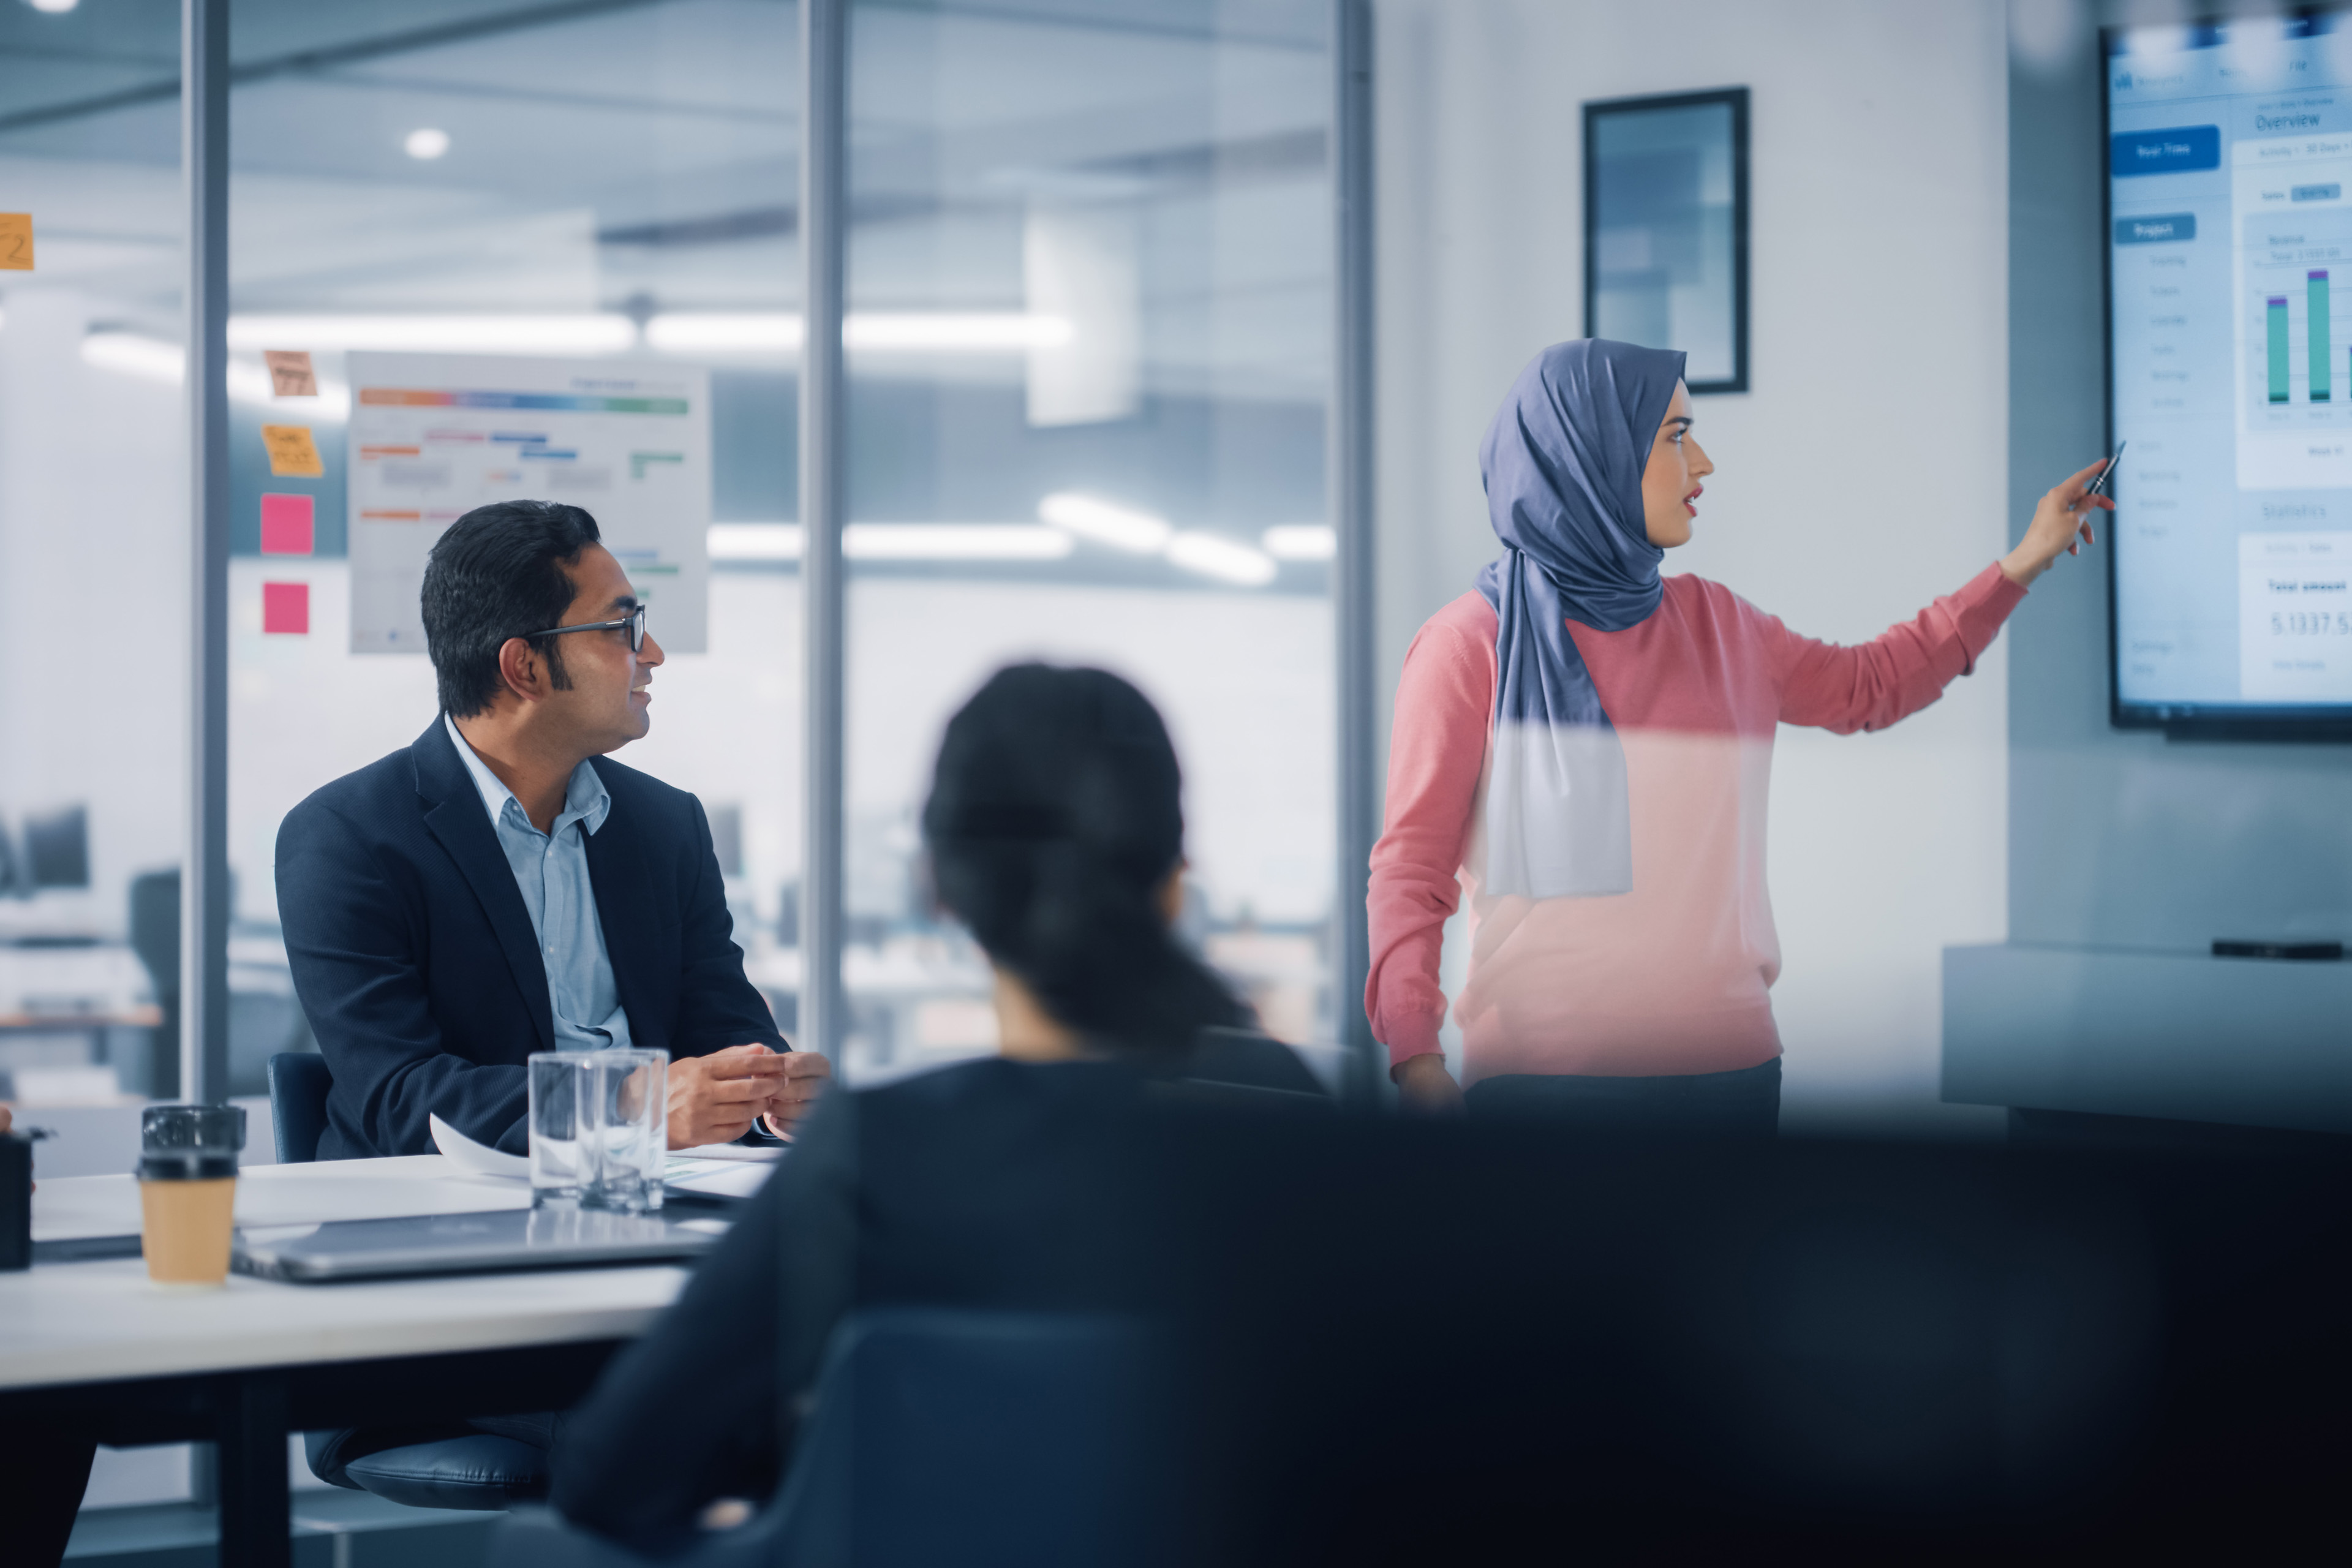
715	1099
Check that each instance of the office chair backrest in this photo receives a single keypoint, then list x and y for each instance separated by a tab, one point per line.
299	1083
155	929
947	1438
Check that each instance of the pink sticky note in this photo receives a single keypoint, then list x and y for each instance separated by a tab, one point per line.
286	525
286	607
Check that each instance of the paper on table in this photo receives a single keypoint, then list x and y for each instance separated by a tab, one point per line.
719	1178
731	1151
476	1159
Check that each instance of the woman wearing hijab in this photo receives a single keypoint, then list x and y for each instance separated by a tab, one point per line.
1583	747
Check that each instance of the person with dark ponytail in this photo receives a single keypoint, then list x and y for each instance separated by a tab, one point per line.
1056	836
1056	832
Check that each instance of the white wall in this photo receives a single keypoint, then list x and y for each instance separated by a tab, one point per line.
1863	475
93	573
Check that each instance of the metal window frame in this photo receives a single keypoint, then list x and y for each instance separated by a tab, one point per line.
1348	437
204	878
825	114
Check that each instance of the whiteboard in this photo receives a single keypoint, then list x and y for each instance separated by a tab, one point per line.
432	437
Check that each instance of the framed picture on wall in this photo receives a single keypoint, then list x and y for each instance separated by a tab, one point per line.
1665	228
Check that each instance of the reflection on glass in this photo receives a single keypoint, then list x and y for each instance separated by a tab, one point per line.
93	556
1107	448
602	193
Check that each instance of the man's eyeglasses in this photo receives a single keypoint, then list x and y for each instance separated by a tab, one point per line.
634	621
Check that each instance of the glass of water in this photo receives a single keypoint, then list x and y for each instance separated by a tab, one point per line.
599	1129
625	1096
560	1158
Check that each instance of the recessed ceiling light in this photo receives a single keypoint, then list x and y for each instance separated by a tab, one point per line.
427	142
53	7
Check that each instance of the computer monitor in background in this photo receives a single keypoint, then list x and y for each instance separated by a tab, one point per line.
11	878
57	850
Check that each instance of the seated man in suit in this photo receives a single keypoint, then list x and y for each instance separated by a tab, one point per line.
503	887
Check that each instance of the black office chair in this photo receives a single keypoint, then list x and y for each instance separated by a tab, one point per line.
470	1470
155	938
299	1083
942	1438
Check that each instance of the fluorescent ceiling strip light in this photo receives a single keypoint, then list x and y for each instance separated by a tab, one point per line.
745	333
953	541
152	359
596	332
1300	541
895	542
132	354
755	540
913	332
1229	560
1105	523
609	333
975	332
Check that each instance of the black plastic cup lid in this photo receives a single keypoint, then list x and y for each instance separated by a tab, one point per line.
192	1129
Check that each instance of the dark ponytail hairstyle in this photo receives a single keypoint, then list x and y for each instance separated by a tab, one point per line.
1054	821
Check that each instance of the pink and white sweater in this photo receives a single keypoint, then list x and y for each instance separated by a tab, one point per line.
1674	976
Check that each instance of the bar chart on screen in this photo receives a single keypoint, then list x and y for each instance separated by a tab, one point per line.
2297	349
2293	328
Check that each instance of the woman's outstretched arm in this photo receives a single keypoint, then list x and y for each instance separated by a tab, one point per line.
1906	667
1437	747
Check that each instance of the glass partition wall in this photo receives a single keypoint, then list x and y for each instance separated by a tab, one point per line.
502	235
93	553
1088	307
1089	327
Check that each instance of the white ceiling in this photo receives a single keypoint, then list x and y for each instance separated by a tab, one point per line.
573	140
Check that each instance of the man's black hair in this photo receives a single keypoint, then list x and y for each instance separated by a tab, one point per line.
498	571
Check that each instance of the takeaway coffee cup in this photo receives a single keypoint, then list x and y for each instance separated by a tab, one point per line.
187	1190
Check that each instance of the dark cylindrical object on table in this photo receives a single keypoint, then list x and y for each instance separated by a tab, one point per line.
16	1200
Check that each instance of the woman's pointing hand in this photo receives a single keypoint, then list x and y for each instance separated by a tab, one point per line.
2061	525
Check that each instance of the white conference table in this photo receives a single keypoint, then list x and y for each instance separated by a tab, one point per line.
93	1347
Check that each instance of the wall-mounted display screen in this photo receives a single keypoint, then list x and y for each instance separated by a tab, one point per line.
2230	335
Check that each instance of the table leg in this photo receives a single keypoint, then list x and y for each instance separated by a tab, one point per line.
257	1519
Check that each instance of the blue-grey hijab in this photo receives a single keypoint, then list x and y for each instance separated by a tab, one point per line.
1563	464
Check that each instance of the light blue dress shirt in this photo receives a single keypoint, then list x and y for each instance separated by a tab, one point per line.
552	870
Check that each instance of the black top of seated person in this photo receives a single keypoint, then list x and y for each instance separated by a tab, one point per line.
1056	833
993	1184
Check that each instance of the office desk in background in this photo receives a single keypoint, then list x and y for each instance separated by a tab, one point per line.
94	1346
61	999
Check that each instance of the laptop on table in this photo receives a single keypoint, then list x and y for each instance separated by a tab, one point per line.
499	1242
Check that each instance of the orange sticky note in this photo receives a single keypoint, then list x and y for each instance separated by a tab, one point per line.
16	241
286	607
289	373
286	524
293	454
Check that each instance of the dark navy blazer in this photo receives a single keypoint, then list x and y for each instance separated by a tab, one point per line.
415	958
